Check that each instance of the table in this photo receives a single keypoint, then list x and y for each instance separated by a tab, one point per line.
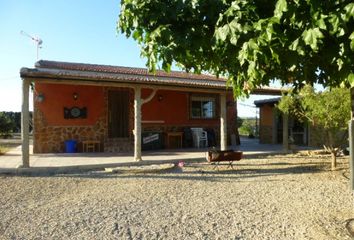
178	135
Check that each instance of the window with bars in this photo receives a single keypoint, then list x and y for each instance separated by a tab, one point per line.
202	107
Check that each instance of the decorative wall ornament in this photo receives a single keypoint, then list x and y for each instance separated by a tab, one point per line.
75	112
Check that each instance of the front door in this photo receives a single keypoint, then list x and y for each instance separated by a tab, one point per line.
118	114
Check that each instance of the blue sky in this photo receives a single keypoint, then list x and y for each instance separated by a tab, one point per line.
73	31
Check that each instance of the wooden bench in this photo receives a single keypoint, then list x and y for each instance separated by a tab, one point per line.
90	146
217	156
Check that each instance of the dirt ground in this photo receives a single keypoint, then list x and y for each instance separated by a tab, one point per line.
278	197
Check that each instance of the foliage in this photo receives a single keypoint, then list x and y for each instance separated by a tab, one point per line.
249	42
329	110
15	118
239	121
248	127
6	125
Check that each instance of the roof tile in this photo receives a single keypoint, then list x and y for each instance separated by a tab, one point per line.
123	70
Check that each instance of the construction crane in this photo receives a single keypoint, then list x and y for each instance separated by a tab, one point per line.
36	40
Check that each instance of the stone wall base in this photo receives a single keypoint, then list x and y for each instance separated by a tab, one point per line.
51	139
119	145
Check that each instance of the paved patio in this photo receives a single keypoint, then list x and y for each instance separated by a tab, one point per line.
10	162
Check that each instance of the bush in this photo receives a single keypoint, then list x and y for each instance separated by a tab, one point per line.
6	125
248	127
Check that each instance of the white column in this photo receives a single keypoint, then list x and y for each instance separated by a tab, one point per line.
223	122
25	123
285	132
137	124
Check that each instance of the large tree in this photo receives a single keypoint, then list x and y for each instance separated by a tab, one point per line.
249	42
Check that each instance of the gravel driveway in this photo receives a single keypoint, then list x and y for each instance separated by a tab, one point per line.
278	197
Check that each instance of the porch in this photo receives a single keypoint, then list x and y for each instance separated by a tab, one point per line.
66	162
113	107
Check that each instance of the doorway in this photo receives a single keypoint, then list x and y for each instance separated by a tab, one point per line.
118	114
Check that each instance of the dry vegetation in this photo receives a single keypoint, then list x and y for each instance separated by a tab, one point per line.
3	150
7	143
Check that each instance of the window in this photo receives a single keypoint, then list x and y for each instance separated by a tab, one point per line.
203	107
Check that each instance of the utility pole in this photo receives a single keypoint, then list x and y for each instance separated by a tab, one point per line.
351	141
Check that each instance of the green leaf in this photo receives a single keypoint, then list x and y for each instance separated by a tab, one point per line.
351	37
137	36
280	7
334	21
349	10
293	46
275	56
222	32
321	23
259	24
339	63
243	54
341	32
351	79
253	44
234	39
235	26
311	37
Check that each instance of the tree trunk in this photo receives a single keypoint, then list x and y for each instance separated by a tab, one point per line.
237	134
332	150
334	160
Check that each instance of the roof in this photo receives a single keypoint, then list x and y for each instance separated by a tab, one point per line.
68	71
270	101
122	70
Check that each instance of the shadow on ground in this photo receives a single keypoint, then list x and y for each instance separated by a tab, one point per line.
198	172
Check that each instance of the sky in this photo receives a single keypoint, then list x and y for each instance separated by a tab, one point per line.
73	31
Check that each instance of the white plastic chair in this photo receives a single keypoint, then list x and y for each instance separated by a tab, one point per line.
199	136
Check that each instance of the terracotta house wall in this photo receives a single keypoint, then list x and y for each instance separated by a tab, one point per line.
167	111
173	109
50	127
266	124
170	111
58	96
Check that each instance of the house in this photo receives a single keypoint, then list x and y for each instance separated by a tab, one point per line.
115	106
272	124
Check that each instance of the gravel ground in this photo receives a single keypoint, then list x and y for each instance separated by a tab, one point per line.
282	197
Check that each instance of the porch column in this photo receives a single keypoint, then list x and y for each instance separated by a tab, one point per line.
223	123
285	132
274	126
25	123
137	124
